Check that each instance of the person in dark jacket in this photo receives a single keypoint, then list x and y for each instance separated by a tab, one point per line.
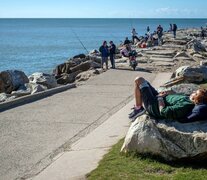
168	105
202	33
174	29
112	52
127	41
104	54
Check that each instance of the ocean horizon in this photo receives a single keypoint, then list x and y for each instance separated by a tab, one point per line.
39	44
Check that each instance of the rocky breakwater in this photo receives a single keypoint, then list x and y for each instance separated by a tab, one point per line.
14	83
170	139
187	49
79	68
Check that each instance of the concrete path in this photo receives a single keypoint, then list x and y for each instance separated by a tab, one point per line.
33	135
85	154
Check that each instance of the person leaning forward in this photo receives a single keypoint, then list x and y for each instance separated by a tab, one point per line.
104	54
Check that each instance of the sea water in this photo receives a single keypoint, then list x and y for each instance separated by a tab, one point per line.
38	45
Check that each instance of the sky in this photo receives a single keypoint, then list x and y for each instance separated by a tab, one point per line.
103	8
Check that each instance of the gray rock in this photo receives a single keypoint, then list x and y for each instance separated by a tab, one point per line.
196	45
195	74
94	52
181	54
81	56
3	97
95	58
184	88
64	68
82	67
68	78
95	65
43	79
11	80
168	139
203	63
20	93
35	88
86	75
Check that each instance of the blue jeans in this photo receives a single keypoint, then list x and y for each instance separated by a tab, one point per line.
112	61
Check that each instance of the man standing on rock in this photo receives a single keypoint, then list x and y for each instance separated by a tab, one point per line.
112	52
159	34
134	35
174	29
104	54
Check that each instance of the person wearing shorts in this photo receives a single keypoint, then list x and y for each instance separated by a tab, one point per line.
163	105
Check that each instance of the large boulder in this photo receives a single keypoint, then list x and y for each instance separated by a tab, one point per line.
81	56
86	75
168	139
82	67
68	78
43	79
195	74
11	80
196	45
36	88
64	68
184	88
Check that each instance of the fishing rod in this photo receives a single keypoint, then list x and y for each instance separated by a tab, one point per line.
79	40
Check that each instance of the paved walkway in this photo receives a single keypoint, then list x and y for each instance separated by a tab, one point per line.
40	134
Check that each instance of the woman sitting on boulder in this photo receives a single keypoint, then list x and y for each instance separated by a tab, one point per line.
168	105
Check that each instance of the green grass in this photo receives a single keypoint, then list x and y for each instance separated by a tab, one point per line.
117	166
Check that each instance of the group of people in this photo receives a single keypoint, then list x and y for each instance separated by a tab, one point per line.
150	39
168	104
107	51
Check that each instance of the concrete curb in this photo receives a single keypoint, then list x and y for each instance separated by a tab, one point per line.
34	97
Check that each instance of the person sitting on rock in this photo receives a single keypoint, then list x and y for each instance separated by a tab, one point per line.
127	41
168	105
125	51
